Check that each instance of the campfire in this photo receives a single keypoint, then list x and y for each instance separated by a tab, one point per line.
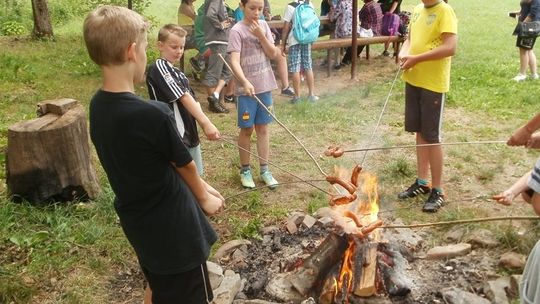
356	262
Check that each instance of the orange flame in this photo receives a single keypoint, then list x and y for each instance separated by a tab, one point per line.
345	278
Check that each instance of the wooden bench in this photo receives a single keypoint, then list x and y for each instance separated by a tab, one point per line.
336	43
332	43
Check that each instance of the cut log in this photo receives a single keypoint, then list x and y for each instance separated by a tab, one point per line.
366	286
328	288
394	282
48	158
317	265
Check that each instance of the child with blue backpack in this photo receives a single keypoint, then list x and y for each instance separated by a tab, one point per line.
251	46
298	14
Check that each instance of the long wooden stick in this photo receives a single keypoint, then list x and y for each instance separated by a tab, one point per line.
484	219
429	145
277	120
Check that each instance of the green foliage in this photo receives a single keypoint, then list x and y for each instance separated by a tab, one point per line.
12	28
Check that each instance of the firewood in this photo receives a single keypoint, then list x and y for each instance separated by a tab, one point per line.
48	158
394	284
366	286
318	263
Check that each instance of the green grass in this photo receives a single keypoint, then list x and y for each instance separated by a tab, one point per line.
82	246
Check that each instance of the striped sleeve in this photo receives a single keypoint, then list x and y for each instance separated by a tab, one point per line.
164	82
534	180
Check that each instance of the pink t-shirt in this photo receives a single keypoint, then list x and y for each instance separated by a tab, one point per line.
254	62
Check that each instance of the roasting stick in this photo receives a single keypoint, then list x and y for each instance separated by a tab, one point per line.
278	121
488	142
279	167
278	184
484	219
380	117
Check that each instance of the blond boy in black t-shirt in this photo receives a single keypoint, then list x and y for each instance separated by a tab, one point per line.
160	199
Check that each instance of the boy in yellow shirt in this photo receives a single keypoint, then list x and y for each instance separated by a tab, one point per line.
425	59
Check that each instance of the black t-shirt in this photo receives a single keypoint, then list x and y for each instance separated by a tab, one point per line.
387	4
168	84
136	142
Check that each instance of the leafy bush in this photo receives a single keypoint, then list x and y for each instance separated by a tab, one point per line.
12	28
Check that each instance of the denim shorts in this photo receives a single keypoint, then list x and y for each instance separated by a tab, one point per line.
251	112
196	154
299	57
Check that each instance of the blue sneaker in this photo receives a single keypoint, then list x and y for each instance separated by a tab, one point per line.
247	180
269	180
313	98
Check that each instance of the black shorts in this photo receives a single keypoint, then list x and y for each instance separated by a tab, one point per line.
526	43
423	112
190	287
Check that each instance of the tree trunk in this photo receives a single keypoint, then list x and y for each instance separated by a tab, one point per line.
48	158
130	4
42	20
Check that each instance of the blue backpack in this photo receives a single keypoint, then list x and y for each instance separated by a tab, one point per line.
305	23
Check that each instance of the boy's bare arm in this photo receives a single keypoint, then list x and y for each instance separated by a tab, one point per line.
194	108
209	202
446	49
507	196
284	37
523	135
237	70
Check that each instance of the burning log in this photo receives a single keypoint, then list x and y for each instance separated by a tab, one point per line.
317	265
394	284
365	286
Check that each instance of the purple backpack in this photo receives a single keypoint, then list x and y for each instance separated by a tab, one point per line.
390	25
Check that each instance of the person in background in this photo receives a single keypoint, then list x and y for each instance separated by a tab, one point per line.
160	200
342	16
426	60
251	46
186	17
530	11
216	25
528	186
299	56
370	19
390	7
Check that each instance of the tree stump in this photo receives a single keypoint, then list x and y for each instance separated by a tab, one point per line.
48	158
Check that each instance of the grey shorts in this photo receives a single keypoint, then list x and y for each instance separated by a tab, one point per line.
423	112
196	154
216	68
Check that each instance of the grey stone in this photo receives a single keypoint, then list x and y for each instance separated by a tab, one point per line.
269	230
495	291
308	221
215	274
512	260
229	247
482	238
458	296
324	212
408	237
281	289
325	221
450	251
229	287
291	227
456	235
513	289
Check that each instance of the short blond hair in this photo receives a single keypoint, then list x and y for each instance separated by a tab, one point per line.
110	30
169	29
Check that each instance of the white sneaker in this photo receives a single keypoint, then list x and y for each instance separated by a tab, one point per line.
535	76
519	77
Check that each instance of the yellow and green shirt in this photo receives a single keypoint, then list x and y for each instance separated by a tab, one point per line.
426	27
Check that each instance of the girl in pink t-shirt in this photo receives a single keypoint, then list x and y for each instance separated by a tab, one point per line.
251	47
